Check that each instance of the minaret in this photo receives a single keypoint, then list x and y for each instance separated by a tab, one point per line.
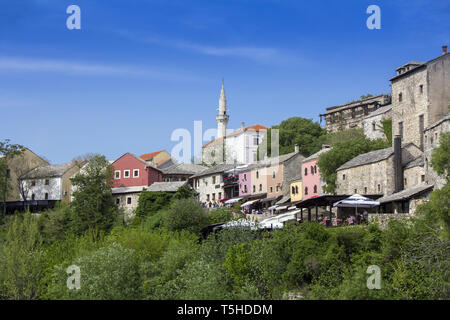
222	117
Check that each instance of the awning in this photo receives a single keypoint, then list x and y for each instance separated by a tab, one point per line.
356	201
292	208
249	203
232	200
269	199
281	208
284	199
272	207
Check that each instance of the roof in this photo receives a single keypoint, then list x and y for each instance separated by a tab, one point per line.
418	162
406	194
166	186
297	177
420	65
316	155
138	158
366	158
133	189
354	103
216	169
431	126
151	155
255	127
50	171
379	111
184	168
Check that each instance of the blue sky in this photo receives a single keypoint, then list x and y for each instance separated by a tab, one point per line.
137	70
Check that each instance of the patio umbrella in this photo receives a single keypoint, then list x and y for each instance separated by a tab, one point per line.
356	201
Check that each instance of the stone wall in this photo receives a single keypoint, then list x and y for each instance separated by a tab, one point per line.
413	176
431	138
383	218
372	125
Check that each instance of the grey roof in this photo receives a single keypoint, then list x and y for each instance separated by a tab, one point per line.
369	157
50	171
171	186
418	162
317	154
168	163
295	178
216	169
379	111
420	66
431	126
119	190
183	168
406	194
354	103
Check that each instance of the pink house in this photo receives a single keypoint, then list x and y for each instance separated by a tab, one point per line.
312	184
132	171
245	183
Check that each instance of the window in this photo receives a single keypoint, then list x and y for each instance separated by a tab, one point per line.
220	195
136	173
257	174
406	182
373	126
421	88
400	97
254	188
47	182
422	178
271	189
273	174
245	188
33	183
129	200
296	189
315	188
46	196
213	179
356	190
312	170
343	177
126	173
293	190
117	174
379	187
353	112
365	190
306	190
117	201
255	140
213	196
33	196
207	197
306	171
255	158
278	188
400	129
260	187
245	177
315	169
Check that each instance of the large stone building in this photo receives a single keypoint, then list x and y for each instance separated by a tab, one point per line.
236	147
420	97
351	115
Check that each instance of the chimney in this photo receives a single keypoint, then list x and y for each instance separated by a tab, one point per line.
398	170
444	50
242	125
297	148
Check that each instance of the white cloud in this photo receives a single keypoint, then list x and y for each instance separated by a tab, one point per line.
13	64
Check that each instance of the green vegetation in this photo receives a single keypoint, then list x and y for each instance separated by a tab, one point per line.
441	157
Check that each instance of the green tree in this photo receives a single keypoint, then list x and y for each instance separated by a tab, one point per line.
7	153
184	192
185	214
220	215
440	161
149	203
21	258
295	130
93	204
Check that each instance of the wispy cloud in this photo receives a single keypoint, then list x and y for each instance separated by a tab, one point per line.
260	54
14	64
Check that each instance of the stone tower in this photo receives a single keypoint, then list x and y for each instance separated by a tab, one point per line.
222	117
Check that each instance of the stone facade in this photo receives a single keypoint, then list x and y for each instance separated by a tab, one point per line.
372	125
352	114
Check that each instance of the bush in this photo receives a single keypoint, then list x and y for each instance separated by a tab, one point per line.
220	215
150	203
185	214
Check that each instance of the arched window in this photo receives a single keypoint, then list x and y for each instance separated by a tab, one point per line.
315	189
306	190
306	171
293	190
315	169
296	189
312	170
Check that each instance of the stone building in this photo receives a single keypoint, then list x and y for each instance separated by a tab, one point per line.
375	172
181	171
432	135
372	123
420	97
351	115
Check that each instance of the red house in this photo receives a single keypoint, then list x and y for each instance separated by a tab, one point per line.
132	171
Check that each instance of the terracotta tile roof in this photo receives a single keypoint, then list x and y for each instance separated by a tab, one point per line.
255	127
151	155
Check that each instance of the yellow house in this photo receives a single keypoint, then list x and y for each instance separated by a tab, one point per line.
296	190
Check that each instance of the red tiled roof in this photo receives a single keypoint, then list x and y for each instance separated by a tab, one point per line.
255	127
151	155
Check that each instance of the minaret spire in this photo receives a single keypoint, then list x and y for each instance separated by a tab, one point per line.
222	117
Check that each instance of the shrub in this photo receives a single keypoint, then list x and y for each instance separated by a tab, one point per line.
185	214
